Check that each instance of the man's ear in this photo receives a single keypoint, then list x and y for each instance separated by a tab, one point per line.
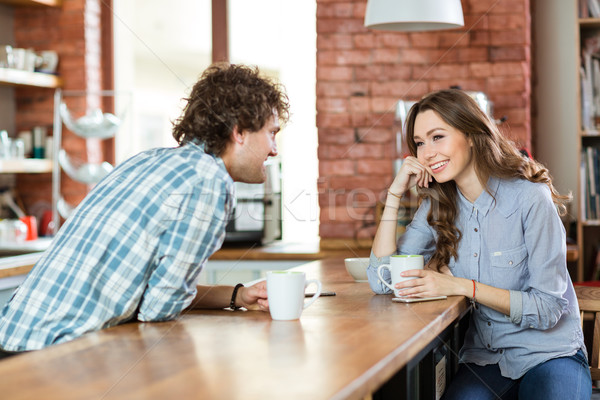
237	135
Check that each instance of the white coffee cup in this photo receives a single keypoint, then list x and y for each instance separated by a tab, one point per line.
398	264
285	291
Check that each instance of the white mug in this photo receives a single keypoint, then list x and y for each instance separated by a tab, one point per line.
398	264
285	291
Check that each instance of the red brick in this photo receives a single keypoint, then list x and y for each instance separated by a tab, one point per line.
473	54
501	22
337	167
332	105
336	230
512	37
365	41
332	152
384	104
415	56
374	167
479	38
336	135
375	134
481	70
333	73
399	89
345	25
372	120
386	56
334	89
511	7
335	10
395	40
332	120
344	213
334	41
365	150
454	39
396	71
508	84
360	104
509	68
368	72
512	53
425	39
476	21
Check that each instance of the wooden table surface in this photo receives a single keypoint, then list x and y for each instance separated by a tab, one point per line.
343	347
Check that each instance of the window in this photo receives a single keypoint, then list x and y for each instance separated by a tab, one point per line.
161	48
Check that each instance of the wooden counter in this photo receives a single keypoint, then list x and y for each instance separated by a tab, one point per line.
22	264
343	347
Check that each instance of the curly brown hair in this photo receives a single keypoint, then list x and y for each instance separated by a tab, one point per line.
225	96
493	155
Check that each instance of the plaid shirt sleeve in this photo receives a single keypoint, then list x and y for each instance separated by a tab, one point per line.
196	230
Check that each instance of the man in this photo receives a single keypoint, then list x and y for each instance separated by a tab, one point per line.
134	247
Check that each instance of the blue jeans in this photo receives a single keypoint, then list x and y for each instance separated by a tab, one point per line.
556	379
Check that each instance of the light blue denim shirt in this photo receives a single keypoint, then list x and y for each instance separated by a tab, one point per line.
514	240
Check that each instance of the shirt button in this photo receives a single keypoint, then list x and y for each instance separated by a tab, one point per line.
476	230
489	323
488	346
501	351
510	263
474	254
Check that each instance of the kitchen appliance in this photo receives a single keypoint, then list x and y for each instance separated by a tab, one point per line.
257	215
484	103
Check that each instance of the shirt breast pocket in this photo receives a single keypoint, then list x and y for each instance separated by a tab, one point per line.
508	267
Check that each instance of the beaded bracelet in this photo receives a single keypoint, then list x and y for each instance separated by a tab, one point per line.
234	295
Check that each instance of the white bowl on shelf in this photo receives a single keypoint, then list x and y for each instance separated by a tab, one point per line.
357	268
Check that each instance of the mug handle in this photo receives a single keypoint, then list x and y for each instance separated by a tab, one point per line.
381	278
317	293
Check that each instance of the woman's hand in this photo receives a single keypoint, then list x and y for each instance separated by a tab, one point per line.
254	297
429	283
411	173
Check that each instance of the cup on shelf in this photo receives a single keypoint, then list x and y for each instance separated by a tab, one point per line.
17	149
31	222
6	56
39	141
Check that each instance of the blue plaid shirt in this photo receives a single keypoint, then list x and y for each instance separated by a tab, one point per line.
132	249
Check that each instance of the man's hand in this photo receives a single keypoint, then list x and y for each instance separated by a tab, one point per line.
253	297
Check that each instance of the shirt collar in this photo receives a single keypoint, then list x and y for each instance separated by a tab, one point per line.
486	201
200	146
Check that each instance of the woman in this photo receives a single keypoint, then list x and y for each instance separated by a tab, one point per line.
489	229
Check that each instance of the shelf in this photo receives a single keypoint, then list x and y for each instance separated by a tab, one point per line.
29	3
27	166
589	22
17	77
590	134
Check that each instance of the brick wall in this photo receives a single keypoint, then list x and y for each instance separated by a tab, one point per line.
362	73
73	31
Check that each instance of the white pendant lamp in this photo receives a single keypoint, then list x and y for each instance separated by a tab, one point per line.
414	15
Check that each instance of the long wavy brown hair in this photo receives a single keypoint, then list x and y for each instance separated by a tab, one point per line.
493	155
225	96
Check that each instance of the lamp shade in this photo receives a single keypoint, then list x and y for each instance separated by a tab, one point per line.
414	15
